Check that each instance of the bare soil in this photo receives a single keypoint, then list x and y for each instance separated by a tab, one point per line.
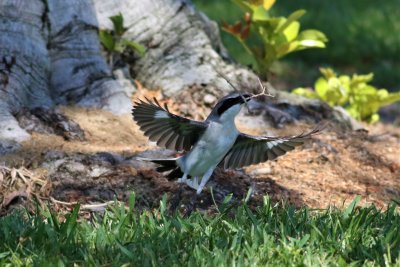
331	169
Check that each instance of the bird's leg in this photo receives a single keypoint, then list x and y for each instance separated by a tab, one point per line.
205	179
193	183
183	179
193	201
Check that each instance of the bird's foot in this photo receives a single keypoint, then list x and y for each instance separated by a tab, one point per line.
193	183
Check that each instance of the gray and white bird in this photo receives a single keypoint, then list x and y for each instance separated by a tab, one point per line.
215	141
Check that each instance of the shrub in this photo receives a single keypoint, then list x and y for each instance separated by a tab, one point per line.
360	99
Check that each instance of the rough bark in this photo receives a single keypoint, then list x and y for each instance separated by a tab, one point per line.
24	63
183	45
50	54
80	73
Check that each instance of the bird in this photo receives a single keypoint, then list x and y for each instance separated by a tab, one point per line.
210	143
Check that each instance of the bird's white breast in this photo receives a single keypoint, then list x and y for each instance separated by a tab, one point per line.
211	148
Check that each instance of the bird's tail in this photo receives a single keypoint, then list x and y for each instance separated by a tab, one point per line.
167	165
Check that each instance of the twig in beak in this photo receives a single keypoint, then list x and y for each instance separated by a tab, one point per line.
263	92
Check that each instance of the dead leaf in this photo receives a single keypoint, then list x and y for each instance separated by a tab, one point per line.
13	176
13	195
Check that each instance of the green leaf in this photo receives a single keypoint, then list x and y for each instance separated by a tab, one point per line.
136	46
311	44
358	79
386	98
107	40
4	254
260	14
351	207
292	31
267	4
289	47
120	46
321	87
312	35
327	72
118	22
292	18
243	4
305	92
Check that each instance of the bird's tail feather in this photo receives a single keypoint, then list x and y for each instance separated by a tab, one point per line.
167	165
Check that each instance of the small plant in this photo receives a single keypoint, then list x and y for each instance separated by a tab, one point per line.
279	36
114	43
360	99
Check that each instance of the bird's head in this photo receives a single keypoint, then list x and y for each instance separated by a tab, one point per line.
229	106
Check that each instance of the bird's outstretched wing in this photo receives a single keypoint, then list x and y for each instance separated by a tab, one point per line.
168	130
249	149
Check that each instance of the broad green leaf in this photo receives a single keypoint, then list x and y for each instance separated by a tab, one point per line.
327	72
107	40
321	87
312	35
118	22
136	46
391	98
292	31
269	26
357	79
367	90
293	46
382	93
345	80
292	18
268	4
312	44
286	48
260	14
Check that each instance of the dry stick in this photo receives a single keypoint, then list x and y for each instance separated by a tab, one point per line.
253	96
85	206
263	90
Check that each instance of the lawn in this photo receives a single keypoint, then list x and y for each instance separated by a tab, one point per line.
235	235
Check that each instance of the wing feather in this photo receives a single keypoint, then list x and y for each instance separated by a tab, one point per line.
167	129
249	149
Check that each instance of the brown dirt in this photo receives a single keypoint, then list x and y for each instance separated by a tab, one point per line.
331	169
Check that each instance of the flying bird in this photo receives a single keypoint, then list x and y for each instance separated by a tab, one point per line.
207	144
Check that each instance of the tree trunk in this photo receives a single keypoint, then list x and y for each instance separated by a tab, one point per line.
24	63
184	47
50	54
79	72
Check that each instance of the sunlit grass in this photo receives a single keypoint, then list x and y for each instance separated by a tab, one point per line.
273	235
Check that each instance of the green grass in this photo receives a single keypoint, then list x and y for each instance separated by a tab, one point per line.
278	235
362	38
